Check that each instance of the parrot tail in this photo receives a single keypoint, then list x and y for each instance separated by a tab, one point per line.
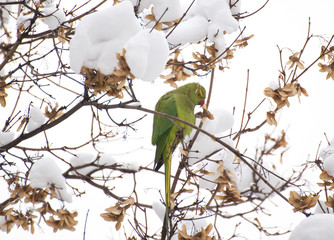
167	188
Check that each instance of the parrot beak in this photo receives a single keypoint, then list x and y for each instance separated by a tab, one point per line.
202	102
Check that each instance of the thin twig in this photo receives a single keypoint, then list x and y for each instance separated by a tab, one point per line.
244	109
84	233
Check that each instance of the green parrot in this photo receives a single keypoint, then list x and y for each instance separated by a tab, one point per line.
166	135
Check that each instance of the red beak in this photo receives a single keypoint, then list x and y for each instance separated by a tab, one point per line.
202	102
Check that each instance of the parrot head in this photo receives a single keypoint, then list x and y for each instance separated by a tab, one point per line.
197	94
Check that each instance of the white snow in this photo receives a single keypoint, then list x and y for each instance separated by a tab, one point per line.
101	35
322	208
6	137
147	54
208	181
272	179
220	45
221	21
193	225
236	5
54	17
328	164
46	173
315	227
2	222
159	209
211	19
167	11
205	146
327	151
244	177
135	104
274	85
5	16
81	159
47	3
192	30
36	119
24	20
134	166
143	3
36	115
106	159
239	172
223	120
93	162
217	12
327	155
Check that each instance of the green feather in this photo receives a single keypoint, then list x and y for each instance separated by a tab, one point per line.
166	136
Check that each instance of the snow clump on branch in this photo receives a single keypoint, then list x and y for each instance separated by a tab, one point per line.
45	173
319	227
36	119
211	19
101	35
6	137
327	154
50	14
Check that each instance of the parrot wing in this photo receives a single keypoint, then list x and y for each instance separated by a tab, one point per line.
162	126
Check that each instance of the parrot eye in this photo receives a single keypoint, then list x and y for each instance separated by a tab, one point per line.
199	93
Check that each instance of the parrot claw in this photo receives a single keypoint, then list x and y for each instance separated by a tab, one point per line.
180	135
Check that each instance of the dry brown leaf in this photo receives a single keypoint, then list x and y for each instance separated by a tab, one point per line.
328	181
205	172
271	118
230	194
258	221
327	68
281	95
3	93
326	177
150	17
116	213
53	113
65	220
244	39
183	152
178	71
206	113
61	35
241	43
202	235
330	202
302	203
113	84
294	60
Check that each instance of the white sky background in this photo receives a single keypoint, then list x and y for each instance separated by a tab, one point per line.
281	22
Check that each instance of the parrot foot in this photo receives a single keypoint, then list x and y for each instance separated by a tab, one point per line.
179	134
